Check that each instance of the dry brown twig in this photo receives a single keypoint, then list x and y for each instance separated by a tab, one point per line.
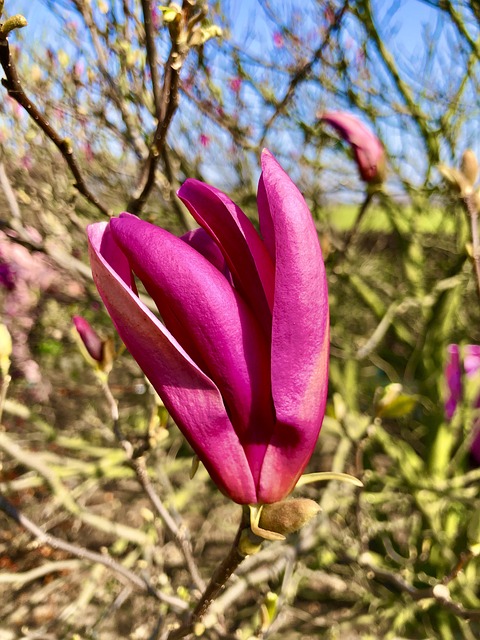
42	537
166	100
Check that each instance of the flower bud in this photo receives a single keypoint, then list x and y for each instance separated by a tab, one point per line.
5	350
392	402
367	148
288	516
469	166
101	352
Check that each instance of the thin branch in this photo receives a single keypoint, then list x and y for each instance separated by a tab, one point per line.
63	495
9	193
22	578
180	534
472	210
215	586
168	106
304	71
15	90
85	554
137	462
152	56
187	221
438	592
113	89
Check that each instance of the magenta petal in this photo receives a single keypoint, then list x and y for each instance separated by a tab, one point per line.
471	359
190	396
475	446
210	320
300	331
203	243
246	255
453	376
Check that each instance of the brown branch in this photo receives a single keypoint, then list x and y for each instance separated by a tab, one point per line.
168	105
187	221
152	56
113	91
304	71
472	210
215	586
85	554
364	14
15	90
179	533
439	592
136	459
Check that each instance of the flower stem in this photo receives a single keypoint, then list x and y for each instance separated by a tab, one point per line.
360	215
223	572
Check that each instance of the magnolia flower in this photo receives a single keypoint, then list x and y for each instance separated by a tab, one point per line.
367	148
240	359
454	376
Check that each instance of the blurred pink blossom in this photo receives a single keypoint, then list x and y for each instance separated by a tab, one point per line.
88	151
278	40
204	140
26	162
235	84
156	19
454	375
34	276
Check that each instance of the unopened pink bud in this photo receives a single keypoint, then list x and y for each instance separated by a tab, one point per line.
367	148
90	338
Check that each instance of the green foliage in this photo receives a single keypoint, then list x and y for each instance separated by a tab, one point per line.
398	558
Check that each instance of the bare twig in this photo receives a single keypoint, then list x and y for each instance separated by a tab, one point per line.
60	491
304	71
152	56
34	574
138	464
85	554
351	234
180	534
113	92
15	90
168	105
438	592
9	193
472	209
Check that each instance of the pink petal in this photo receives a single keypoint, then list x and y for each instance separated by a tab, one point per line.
453	376
210	320
203	243
300	331
190	396
244	251
475	446
471	359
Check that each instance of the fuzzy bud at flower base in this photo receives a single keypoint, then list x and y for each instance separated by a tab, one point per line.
288	516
